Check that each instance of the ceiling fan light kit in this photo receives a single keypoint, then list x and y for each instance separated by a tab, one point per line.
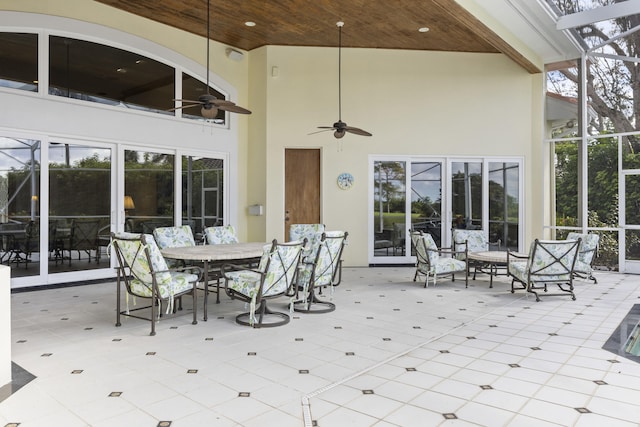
340	127
209	104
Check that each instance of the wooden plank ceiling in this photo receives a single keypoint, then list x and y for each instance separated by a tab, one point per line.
380	24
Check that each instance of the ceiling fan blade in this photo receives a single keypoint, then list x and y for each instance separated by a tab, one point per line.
357	131
233	109
188	100
324	129
184	106
221	102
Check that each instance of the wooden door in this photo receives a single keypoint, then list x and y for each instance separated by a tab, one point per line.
301	187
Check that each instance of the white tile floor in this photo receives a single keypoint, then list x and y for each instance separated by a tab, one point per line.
392	354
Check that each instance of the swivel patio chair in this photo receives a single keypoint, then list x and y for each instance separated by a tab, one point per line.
275	277
586	254
320	272
432	261
549	262
145	274
221	235
311	232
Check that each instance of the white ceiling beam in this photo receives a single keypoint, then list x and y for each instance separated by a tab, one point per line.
604	13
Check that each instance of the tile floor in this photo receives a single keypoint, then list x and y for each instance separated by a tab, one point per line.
392	354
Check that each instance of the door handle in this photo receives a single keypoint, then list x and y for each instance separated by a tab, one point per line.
286	215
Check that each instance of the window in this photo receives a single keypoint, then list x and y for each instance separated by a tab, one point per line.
19	61
94	72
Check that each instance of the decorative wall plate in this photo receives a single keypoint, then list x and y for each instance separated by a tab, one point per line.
345	181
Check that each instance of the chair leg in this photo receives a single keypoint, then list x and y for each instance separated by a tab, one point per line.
118	301
311	306
262	313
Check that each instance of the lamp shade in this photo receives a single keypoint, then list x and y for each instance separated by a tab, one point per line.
128	203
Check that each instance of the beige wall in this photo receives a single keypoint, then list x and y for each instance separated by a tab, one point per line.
414	103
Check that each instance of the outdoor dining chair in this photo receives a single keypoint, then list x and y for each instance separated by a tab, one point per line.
433	262
311	232
549	262
320	272
274	277
174	237
221	235
144	273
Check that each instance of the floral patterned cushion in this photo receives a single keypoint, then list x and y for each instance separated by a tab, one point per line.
222	235
475	241
549	261
430	263
588	248
311	232
179	283
172	237
327	261
275	275
583	268
132	249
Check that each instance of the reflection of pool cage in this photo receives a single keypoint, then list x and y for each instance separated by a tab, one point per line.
25	168
632	345
203	193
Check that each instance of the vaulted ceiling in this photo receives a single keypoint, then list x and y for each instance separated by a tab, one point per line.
388	24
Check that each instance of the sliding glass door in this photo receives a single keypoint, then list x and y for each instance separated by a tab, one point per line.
407	193
20	160
79	206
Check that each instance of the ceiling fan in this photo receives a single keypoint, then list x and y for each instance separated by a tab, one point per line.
208	102
340	127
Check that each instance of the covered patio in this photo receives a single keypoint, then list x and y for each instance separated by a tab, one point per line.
392	354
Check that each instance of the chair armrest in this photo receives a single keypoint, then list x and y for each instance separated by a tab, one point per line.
191	269
224	268
516	257
448	251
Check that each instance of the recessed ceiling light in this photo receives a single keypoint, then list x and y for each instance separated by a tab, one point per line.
250	24
121	70
423	29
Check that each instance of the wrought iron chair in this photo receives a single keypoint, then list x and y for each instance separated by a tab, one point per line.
472	241
311	232
145	274
549	262
320	272
586	254
432	261
84	237
221	235
173	237
275	277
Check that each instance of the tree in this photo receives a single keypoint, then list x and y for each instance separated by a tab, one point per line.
613	85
